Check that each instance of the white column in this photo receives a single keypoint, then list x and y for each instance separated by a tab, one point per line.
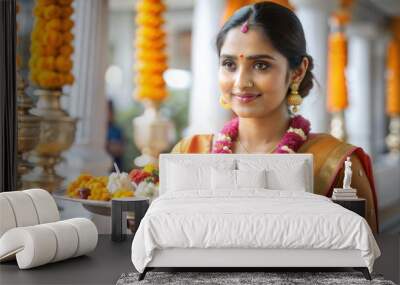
360	113
87	101
205	113
379	124
314	16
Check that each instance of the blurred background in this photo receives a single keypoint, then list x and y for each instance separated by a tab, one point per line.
105	67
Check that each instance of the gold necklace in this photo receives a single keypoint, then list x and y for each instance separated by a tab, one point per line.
245	149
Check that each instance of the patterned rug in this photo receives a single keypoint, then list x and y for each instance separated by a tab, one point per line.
230	278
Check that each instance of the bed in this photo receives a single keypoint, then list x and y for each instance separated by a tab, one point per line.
243	211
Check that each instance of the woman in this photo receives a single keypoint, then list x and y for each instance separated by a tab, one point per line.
264	73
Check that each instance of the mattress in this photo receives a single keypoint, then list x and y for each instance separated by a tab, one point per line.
250	219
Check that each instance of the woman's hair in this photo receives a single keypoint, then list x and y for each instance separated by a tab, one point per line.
282	27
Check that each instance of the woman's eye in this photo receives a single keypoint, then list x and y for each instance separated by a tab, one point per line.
229	65
261	65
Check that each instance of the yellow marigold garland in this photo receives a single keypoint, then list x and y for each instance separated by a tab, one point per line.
151	59
51	47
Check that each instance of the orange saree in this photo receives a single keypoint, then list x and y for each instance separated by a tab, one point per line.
329	156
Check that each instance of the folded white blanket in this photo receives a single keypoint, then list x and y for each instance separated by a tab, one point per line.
255	218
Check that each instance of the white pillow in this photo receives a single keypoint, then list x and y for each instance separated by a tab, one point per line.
251	178
282	173
236	179
185	175
223	179
293	179
181	177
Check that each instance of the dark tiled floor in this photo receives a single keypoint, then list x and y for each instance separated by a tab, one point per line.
110	260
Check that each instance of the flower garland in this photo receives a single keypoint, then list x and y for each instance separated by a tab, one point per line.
51	47
393	71
295	136
151	57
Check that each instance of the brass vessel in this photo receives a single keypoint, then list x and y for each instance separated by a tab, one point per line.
57	134
152	133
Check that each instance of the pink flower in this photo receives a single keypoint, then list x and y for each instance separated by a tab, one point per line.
291	141
298	122
280	150
231	128
221	144
222	147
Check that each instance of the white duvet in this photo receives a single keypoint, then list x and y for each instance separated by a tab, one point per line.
256	218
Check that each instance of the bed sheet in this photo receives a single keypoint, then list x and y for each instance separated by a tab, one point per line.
250	218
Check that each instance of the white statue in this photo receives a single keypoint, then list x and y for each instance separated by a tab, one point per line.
347	174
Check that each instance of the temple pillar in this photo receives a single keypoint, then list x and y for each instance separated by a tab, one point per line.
205	113
360	115
380	120
366	119
314	16
87	100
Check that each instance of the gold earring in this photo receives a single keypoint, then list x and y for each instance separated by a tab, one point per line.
294	99
223	103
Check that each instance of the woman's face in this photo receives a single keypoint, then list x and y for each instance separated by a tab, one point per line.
252	74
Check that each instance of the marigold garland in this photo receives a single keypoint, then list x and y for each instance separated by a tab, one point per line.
51	48
295	136
393	71
337	61
151	59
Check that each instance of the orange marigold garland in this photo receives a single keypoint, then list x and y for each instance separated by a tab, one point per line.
151	58
393	71
51	46
337	60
